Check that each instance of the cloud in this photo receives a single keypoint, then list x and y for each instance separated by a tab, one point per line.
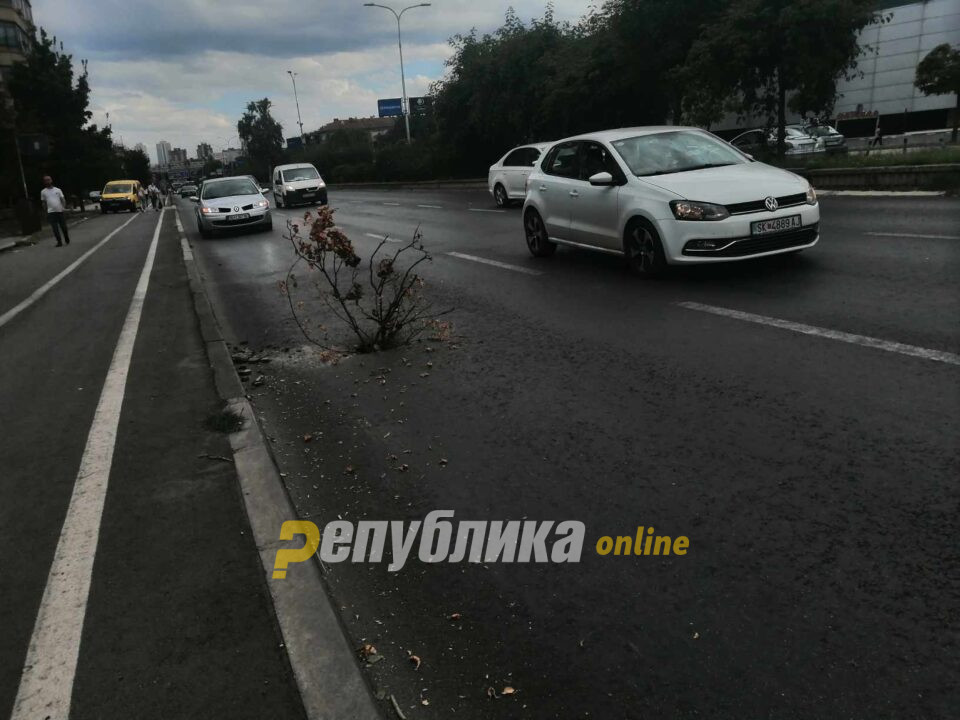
184	70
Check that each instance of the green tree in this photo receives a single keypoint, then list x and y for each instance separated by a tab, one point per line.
262	135
49	99
762	57
136	165
939	74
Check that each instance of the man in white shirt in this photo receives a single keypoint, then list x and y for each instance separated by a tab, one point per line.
154	196
55	204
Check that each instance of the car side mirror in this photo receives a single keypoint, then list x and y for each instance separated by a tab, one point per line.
602	179
265	190
194	198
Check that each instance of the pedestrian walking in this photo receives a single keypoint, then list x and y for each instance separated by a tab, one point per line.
877	137
142	195
154	196
53	201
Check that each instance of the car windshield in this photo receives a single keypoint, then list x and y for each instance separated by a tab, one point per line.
675	151
117	189
304	173
820	130
228	188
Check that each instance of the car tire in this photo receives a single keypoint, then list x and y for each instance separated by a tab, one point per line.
500	196
269	226
643	250
279	199
538	242
204	233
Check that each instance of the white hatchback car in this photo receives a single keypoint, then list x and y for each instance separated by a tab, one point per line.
507	178
665	196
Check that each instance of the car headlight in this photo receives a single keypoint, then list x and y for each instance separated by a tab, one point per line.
209	210
263	203
691	210
288	188
811	196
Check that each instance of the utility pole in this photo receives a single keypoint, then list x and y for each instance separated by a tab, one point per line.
403	79
293	77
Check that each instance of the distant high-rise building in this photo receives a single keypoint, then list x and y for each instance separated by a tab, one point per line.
178	155
163	153
204	151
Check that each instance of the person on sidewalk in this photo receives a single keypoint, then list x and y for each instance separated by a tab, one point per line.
877	137
142	195
154	196
53	201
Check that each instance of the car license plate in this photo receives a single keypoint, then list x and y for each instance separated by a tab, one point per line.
308	194
765	227
241	216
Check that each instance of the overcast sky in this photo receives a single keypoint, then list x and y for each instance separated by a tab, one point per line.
183	70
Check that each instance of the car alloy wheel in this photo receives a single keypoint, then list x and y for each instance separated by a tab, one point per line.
537	240
500	195
643	251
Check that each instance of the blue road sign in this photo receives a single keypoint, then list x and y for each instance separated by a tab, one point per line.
390	107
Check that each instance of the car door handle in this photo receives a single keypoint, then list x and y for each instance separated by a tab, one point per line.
574	193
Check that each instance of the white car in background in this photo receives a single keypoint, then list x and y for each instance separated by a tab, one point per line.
663	196
507	178
298	184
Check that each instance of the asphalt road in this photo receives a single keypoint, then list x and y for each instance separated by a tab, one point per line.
814	473
176	621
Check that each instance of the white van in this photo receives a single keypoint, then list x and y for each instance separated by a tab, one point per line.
296	184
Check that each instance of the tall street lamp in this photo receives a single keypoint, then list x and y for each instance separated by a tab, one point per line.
403	80
293	78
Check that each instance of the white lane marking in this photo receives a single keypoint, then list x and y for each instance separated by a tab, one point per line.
866	341
187	250
50	667
392	203
914	235
176	214
435	207
45	288
495	263
485	210
387	238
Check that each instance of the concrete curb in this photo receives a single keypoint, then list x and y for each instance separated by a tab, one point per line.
331	685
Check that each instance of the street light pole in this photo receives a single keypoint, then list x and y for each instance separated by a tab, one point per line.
293	77
403	79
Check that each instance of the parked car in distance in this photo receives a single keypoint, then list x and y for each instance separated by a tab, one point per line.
663	196
94	195
829	139
120	195
231	203
762	142
298	184
507	178
188	190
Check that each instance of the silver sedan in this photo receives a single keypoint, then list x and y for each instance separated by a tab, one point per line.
231	203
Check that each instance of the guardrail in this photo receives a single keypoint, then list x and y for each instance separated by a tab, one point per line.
891	177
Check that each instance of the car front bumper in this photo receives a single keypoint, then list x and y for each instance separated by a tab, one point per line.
117	204
220	222
732	238
305	196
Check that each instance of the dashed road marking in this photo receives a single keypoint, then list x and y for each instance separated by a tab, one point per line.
485	210
434	207
386	238
46	287
914	235
49	670
864	340
392	203
495	263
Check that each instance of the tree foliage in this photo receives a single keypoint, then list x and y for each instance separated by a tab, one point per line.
762	57
50	99
262	135
939	74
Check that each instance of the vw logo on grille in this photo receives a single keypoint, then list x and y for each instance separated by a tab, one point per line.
771	204
237	208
